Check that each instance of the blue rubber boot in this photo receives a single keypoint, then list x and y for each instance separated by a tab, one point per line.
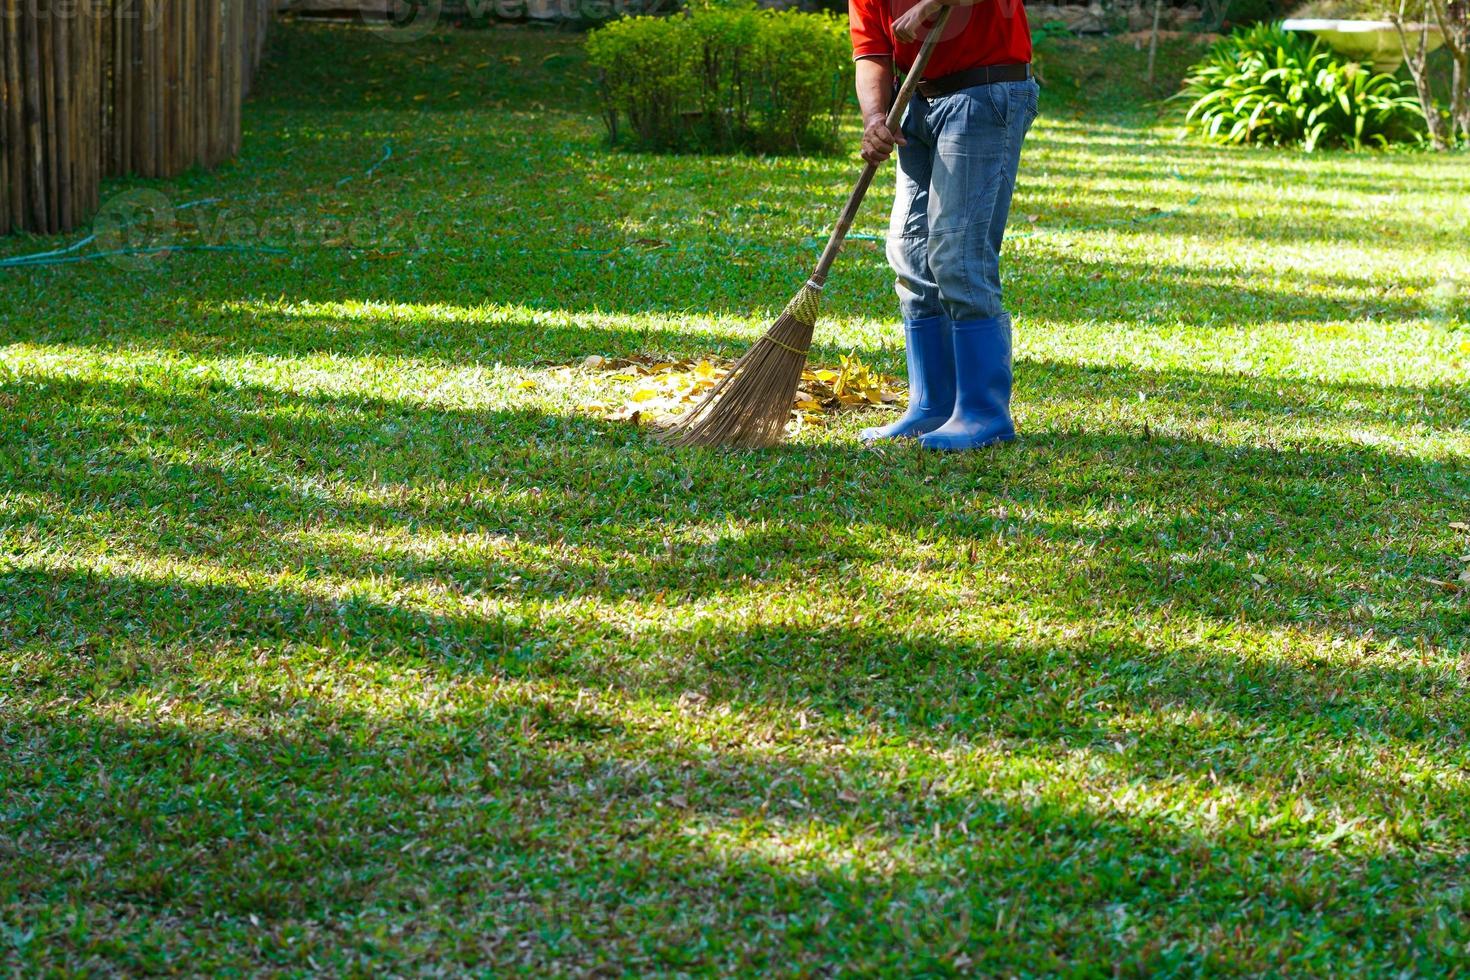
931	381
982	409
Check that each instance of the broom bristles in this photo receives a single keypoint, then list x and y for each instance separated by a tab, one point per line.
751	405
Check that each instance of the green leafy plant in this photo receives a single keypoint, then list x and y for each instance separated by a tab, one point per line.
726	35
724	76
1050	29
647	66
1270	86
805	72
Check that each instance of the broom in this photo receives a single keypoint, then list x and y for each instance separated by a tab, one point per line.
751	404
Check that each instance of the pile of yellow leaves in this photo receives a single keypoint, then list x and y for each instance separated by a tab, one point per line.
646	390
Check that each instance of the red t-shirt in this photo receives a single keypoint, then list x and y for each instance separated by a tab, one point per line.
992	32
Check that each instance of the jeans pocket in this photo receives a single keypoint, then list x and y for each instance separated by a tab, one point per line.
1000	103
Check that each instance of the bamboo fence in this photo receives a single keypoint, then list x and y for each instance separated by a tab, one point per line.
111	87
50	95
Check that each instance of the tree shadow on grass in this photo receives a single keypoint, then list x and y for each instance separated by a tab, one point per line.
542	821
690	281
546	338
350	68
1380	176
1110	522
467	261
699	277
1193	705
1143	156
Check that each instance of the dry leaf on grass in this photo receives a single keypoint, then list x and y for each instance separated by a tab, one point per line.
651	389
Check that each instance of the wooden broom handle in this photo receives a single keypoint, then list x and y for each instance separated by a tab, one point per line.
895	119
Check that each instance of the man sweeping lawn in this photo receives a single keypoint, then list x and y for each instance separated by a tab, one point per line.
959	147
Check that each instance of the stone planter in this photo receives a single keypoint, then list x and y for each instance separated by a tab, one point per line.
1372	41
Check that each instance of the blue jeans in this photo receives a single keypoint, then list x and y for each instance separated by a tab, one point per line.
955	180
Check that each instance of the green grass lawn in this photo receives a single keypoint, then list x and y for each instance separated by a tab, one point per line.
328	644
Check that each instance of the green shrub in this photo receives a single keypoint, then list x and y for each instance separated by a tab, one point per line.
1049	29
806	77
1271	86
724	76
725	37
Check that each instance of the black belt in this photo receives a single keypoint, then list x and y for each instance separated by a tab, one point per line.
931	88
